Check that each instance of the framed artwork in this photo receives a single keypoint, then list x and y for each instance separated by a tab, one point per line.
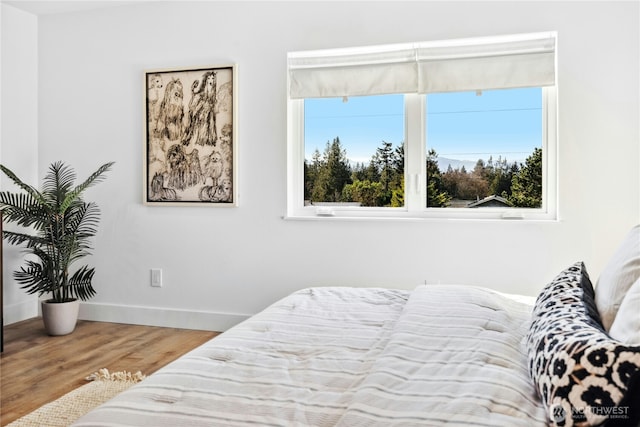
190	136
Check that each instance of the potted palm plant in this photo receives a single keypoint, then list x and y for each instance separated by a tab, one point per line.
58	227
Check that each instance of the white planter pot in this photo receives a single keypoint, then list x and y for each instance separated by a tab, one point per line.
60	318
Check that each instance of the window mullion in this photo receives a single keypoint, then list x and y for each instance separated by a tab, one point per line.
295	181
415	163
549	151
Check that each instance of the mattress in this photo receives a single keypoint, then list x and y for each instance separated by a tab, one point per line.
440	354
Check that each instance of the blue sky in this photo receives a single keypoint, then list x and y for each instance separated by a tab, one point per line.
462	126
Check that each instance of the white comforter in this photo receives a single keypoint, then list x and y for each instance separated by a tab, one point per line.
441	354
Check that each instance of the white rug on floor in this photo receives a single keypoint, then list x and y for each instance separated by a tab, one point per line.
63	411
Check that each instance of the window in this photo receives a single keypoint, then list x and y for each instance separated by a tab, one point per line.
354	151
484	149
454	129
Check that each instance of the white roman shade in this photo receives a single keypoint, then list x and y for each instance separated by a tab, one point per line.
502	62
487	63
374	70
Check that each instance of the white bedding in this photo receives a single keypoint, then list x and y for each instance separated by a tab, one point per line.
350	357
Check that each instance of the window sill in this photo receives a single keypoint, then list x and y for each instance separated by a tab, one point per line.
405	216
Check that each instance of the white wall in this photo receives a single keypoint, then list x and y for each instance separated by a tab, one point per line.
18	133
237	261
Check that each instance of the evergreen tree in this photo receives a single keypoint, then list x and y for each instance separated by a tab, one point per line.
436	196
480	170
390	163
500	182
311	173
397	196
398	160
384	159
359	172
333	174
450	181
372	173
489	167
526	186
385	168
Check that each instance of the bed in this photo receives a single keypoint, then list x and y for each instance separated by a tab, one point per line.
439	354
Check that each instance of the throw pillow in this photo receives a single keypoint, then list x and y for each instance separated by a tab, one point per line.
622	270
626	326
583	376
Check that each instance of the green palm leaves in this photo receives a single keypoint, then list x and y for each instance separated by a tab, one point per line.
61	224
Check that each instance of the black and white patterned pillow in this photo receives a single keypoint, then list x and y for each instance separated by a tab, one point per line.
583	376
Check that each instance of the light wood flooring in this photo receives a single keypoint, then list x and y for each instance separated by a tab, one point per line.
36	368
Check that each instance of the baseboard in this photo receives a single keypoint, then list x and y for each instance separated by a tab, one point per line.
13	313
156	316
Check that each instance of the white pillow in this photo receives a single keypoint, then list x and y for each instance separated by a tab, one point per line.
626	326
622	270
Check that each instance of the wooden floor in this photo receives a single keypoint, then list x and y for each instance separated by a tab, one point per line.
36	368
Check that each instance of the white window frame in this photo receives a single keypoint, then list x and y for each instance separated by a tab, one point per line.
415	172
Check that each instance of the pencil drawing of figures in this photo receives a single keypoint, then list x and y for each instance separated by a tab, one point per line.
178	167
158	192
201	119
195	169
190	146
171	111
154	92
214	167
221	193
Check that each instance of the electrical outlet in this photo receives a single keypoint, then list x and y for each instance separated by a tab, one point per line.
156	277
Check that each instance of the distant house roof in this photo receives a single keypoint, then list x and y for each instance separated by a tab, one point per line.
490	202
